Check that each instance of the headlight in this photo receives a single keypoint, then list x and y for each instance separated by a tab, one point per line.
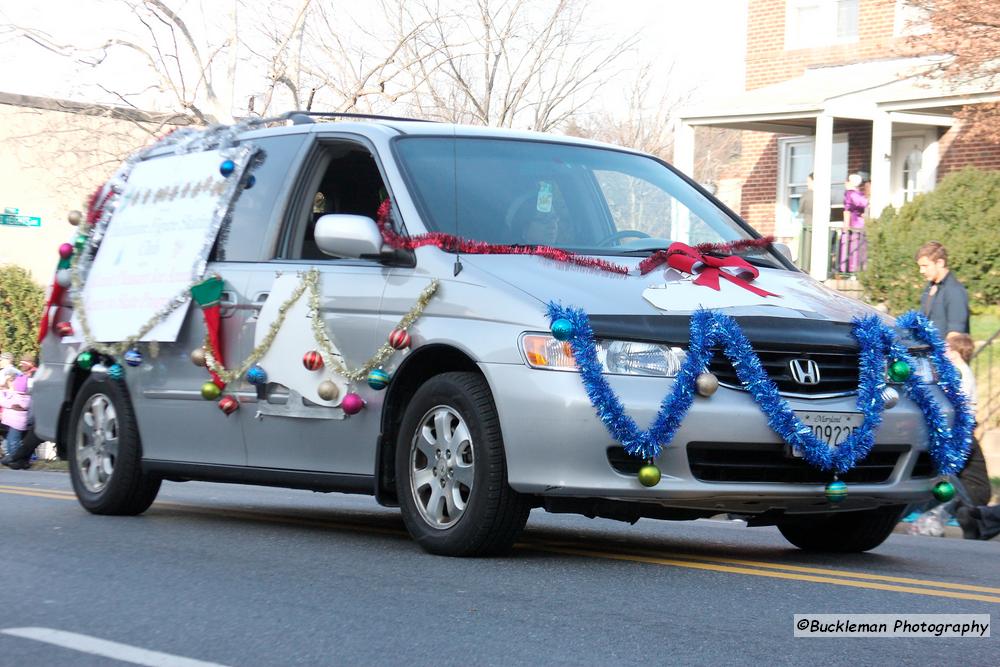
617	357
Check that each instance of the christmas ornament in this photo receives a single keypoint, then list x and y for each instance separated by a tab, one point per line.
198	356
836	491
312	360
251	181
74	218
85	360
352	404
228	404
944	491
116	372
64	328
65	251
208	294
562	329
80	241
99	371
210	391
64	278
133	357
706	384
709	331
890	397
378	379
899	371
227	167
649	475
256	375
399	339
327	390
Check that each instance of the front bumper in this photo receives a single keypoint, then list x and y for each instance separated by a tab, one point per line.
556	446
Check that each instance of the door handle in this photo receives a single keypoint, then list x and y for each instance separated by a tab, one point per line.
227	303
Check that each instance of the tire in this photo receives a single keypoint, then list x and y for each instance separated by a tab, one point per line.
843	532
463	427
106	464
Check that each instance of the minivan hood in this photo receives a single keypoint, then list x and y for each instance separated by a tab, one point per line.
665	290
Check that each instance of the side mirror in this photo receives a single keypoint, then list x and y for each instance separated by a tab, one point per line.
783	249
344	235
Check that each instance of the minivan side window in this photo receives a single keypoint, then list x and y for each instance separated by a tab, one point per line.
244	239
347	181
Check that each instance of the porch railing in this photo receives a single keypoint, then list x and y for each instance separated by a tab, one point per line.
986	368
847	248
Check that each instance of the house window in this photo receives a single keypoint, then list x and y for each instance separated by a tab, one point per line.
796	163
812	23
911	173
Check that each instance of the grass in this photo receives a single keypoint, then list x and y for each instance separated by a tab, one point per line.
984	325
63	466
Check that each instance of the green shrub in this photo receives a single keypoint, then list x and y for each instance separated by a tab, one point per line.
963	213
21	302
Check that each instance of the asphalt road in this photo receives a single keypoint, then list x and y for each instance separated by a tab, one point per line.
237	575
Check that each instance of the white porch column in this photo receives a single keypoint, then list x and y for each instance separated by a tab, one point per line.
822	167
881	163
684	147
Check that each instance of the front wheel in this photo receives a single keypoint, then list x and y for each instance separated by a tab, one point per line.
105	455
842	532
452	473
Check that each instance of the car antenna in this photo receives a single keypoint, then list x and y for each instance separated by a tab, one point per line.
454	174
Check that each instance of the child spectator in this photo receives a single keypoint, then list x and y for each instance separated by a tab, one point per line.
16	403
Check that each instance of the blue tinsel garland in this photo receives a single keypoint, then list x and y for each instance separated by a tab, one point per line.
948	446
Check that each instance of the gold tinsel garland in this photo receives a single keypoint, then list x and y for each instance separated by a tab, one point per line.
327	349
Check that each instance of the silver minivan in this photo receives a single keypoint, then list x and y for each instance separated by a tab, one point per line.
486	416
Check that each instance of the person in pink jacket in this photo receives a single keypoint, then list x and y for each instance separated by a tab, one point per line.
16	403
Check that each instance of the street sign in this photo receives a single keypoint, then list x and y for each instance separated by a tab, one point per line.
15	220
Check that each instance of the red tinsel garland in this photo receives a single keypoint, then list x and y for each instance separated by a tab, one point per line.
452	243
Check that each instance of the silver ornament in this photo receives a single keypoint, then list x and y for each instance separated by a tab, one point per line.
64	278
891	397
99	371
74	218
706	384
198	356
328	391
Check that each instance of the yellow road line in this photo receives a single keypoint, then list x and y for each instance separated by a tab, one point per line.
690	561
759	573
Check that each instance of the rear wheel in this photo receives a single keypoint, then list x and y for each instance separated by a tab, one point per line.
452	472
105	454
843	532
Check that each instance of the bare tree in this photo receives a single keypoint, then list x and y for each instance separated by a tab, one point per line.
966	31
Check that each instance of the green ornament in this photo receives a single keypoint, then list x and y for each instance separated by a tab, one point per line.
64	263
85	360
899	371
943	491
81	241
836	491
649	475
210	391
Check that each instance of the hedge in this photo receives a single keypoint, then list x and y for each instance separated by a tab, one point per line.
963	213
21	302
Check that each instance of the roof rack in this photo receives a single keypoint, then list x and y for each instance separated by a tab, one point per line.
306	117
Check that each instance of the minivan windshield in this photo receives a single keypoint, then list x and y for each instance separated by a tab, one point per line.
584	199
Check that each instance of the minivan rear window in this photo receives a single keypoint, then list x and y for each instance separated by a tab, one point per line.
585	199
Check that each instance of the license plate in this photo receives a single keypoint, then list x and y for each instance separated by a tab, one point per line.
833	428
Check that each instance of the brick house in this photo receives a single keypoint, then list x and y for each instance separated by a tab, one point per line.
828	92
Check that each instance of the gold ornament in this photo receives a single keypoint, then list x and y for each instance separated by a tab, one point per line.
649	475
328	391
706	384
198	356
74	218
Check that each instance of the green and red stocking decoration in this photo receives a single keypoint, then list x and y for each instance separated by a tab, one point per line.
208	295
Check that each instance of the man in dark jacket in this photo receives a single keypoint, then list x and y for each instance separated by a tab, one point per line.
944	300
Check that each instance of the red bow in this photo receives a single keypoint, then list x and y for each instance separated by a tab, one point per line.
709	269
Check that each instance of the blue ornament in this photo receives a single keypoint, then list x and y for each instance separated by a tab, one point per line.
378	379
251	181
116	372
227	167
256	375
562	329
836	491
133	357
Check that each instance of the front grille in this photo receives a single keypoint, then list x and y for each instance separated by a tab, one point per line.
924	467
729	462
838	371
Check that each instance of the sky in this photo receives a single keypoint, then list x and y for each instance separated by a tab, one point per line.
708	51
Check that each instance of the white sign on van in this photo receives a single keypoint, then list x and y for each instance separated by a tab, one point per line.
162	229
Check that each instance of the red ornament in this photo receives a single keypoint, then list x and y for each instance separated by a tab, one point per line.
399	339
228	404
64	328
352	404
312	360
